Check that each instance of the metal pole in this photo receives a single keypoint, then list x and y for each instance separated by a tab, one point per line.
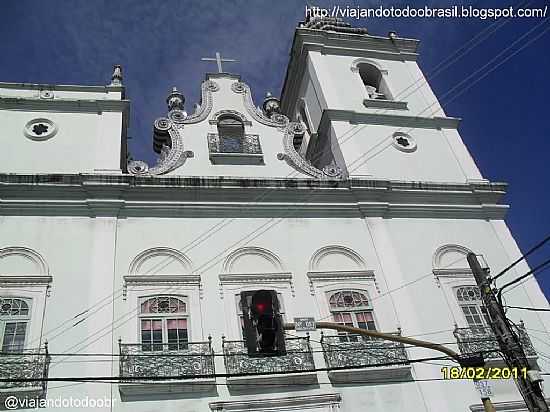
508	341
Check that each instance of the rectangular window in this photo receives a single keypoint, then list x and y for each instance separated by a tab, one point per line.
177	334
151	334
365	320
14	337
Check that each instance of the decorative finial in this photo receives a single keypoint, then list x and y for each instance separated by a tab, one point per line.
271	105
175	100
116	78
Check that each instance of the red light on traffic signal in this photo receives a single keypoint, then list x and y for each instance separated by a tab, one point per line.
260	307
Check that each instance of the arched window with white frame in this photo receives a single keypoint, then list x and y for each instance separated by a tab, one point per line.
351	308
231	134
373	81
473	309
164	323
15	317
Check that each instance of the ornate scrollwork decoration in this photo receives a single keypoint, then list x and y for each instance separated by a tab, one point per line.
138	167
216	117
171	152
207	88
238	87
162	124
296	161
177	116
277	120
168	132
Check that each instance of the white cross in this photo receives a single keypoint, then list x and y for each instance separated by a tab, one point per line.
218	60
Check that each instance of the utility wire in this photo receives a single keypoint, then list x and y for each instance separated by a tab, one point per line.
541	266
527	308
534	248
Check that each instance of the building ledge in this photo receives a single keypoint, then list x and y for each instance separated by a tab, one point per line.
155	388
237	158
380	374
384	104
242	383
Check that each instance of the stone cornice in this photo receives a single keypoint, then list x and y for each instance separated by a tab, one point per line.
12	280
140	196
393	119
61	87
65	105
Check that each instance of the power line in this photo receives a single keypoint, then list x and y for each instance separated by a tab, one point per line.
534	248
213	375
541	266
527	308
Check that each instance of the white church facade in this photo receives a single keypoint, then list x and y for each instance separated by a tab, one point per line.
353	196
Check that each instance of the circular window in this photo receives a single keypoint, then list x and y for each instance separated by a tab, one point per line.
40	129
404	142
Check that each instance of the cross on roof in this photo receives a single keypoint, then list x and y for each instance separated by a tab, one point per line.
218	60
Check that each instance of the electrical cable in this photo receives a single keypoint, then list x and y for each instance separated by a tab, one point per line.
534	248
527	308
532	271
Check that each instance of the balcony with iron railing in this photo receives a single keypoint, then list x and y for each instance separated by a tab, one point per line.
478	339
351	357
161	368
32	364
296	367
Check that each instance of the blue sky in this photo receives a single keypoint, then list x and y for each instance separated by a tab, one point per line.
160	44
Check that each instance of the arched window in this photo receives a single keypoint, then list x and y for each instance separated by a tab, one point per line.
469	300
373	81
352	308
163	321
14	320
231	134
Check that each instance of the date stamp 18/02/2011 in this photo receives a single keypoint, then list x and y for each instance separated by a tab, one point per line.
455	372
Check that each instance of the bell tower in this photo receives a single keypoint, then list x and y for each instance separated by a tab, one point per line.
367	108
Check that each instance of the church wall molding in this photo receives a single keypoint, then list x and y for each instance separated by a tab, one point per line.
65	105
266	254
390	119
325	251
125	196
174	254
330	400
62	87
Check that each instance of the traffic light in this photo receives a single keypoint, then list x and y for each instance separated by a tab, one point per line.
263	326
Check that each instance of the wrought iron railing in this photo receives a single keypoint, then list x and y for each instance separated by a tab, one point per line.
25	364
298	358
248	144
482	339
143	362
357	351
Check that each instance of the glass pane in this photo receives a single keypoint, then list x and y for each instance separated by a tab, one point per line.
145	324
14	337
